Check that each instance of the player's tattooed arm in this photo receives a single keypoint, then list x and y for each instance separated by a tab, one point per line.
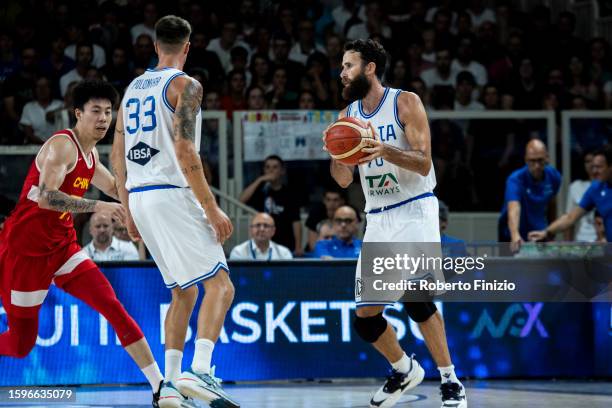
186	111
60	201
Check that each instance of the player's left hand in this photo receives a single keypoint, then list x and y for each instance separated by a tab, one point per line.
374	147
132	230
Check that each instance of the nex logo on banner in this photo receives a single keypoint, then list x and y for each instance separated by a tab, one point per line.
382	180
513	322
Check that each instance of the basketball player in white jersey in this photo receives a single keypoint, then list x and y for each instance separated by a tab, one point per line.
161	181
400	209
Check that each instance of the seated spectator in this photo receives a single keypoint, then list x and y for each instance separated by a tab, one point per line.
530	196
333	199
260	246
584	230
37	116
451	246
325	230
280	97
268	194
596	197
293	71
344	244
84	56
465	61
306	45
255	98
148	24
104	246
200	57
306	100
234	99
374	24
463	95
443	74
223	44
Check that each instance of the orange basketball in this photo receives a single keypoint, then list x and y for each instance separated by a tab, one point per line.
345	139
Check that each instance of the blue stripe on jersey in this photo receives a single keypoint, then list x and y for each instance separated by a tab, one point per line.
164	97
395	110
380	104
153	187
348	109
392	206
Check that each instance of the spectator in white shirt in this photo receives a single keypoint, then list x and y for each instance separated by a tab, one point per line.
584	230
37	116
442	74
480	14
260	246
148	25
343	13
465	62
463	93
374	24
223	45
104	246
84	55
77	36
305	46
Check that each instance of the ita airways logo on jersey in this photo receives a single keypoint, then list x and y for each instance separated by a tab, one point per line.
141	153
382	184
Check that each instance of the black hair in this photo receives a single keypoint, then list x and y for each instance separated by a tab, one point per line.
371	51
466	76
275	157
172	31
606	152
89	89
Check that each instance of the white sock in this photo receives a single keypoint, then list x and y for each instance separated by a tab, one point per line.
172	369
448	374
403	365
202	356
154	376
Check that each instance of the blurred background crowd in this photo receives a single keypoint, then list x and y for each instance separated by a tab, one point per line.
461	55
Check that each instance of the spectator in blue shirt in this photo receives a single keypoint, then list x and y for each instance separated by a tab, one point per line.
598	196
529	200
343	244
451	246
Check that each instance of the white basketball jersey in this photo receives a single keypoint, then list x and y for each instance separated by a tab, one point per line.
385	183
148	124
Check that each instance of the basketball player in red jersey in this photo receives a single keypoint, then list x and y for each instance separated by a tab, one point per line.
38	244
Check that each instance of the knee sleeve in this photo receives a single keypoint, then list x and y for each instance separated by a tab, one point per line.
420	311
370	328
93	288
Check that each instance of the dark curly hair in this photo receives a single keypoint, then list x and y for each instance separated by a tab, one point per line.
371	51
89	89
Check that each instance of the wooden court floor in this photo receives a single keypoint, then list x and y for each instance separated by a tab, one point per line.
356	394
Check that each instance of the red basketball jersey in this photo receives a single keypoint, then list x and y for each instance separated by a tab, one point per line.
34	231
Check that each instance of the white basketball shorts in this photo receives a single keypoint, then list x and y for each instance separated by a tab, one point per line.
173	226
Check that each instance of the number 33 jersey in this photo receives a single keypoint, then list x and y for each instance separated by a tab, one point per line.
148	124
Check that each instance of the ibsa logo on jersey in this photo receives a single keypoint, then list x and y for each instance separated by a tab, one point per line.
141	153
382	184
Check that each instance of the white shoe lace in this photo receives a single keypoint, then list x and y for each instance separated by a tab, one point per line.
217	380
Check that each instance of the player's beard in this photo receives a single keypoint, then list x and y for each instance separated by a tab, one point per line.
358	88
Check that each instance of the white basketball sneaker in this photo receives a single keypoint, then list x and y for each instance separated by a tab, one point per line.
205	387
170	397
397	384
453	395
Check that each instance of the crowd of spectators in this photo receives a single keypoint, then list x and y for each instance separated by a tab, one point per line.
252	54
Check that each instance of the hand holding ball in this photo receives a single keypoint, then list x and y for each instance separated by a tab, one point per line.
345	138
